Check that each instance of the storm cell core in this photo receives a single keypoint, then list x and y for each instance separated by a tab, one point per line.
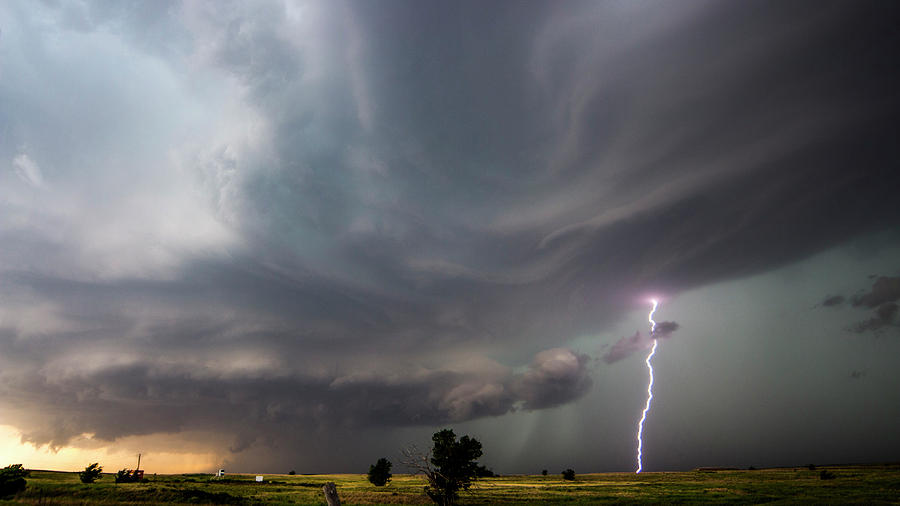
640	431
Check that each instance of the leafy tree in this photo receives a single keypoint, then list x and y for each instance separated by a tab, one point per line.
91	473
568	474
380	472
127	476
452	465
455	465
544	472
12	480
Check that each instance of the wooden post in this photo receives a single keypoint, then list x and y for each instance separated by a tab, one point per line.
331	496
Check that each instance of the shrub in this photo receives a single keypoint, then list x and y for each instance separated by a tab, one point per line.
292	472
811	467
12	480
127	476
544	472
825	475
91	473
568	474
380	472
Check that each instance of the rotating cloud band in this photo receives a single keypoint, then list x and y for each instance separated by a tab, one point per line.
640	432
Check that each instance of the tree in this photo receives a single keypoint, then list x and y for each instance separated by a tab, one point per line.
380	472
544	472
12	480
128	476
568	474
91	473
292	472
452	465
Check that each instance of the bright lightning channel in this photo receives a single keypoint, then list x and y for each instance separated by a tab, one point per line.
649	387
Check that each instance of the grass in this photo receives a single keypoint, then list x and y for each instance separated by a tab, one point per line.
852	484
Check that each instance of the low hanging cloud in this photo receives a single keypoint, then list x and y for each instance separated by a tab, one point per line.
555	377
882	318
665	329
881	298
116	401
627	346
884	289
833	300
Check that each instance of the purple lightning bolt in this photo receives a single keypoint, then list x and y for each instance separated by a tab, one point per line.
649	387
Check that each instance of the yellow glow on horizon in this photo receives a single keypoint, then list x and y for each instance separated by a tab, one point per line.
112	456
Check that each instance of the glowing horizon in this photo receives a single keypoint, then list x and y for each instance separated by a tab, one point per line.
111	455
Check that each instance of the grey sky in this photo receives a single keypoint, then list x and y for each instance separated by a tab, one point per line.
289	226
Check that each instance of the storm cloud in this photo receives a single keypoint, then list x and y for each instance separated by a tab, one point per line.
369	215
555	377
665	329
138	398
885	289
881	298
882	318
627	346
833	300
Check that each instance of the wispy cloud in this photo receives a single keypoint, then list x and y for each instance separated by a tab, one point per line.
27	170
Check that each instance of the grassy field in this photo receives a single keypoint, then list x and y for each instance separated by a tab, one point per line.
851	484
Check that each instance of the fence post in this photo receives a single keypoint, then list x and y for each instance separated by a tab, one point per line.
331	495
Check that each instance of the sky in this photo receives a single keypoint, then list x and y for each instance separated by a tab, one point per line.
296	235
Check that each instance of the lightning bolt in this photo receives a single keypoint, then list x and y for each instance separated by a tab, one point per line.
650	316
649	388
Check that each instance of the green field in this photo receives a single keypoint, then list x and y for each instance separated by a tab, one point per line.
851	484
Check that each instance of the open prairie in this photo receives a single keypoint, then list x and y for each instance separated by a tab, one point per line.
871	484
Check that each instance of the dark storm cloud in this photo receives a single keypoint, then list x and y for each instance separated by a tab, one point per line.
555	377
885	289
886	311
881	297
317	213
627	346
882	317
113	401
833	300
665	329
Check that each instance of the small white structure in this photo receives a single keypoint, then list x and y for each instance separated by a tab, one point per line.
220	473
259	479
